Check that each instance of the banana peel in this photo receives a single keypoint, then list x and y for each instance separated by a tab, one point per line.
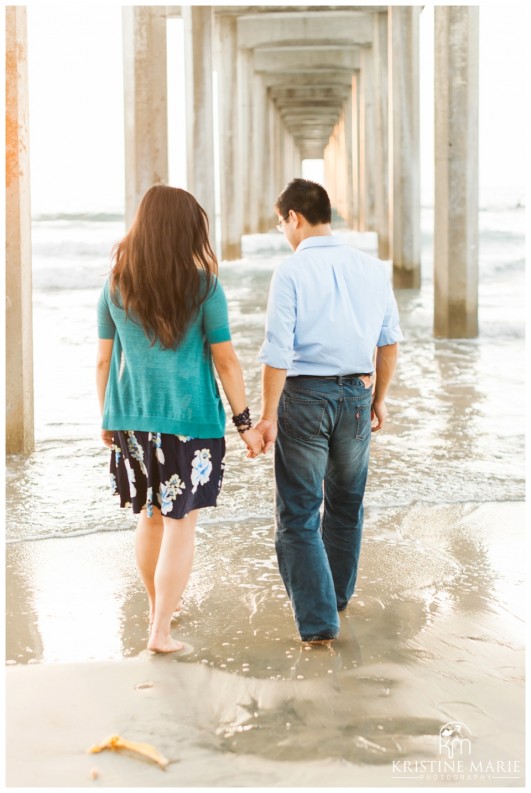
145	750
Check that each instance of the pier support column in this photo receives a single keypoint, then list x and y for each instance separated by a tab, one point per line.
19	325
331	158
146	111
354	107
381	114
259	166
367	141
198	30
245	126
456	171
294	160
230	163
404	119
274	186
342	175
278	157
349	165
288	156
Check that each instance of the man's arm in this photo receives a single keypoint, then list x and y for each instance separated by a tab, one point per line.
272	385
386	358
276	352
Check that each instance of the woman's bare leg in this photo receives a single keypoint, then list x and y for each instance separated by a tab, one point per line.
148	539
171	576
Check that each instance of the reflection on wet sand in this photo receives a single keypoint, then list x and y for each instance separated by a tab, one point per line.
434	634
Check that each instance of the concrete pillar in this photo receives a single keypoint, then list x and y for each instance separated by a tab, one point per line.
288	156
272	189
354	106
293	158
19	326
367	141
245	117
330	164
259	165
277	164
327	169
381	116
342	173
351	216
404	120
229	129
145	99
456	171
198	32
266	164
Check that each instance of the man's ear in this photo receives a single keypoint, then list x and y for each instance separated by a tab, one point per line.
297	218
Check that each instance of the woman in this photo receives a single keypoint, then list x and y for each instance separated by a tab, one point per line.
162	320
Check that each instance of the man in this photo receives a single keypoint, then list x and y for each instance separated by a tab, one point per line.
330	307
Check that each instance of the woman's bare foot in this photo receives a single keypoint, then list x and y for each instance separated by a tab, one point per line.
164	644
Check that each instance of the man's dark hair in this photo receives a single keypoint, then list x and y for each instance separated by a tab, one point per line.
308	198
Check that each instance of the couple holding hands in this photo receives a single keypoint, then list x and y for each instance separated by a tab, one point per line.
330	350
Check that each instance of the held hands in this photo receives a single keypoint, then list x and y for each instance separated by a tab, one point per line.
260	438
254	442
269	430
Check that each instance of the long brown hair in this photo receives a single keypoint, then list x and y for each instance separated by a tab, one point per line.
156	277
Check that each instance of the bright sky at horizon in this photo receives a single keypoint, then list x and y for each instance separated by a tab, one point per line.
76	107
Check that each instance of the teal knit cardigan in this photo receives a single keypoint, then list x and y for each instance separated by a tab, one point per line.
162	390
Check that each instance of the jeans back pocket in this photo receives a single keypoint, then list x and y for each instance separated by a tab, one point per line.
301	417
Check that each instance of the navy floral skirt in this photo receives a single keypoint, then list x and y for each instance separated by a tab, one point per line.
172	472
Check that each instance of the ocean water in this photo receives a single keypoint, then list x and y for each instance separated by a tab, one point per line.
451	435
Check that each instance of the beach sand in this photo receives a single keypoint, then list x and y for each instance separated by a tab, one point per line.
434	635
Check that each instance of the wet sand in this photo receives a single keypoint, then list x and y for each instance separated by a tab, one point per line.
434	635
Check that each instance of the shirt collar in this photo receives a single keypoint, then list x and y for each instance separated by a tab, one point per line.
319	242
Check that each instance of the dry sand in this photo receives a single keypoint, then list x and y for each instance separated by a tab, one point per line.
435	635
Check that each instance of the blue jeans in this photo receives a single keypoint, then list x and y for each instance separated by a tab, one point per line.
324	433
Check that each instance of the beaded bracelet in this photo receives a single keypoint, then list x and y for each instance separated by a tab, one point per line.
242	421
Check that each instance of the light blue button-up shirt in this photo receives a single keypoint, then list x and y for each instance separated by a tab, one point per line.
329	307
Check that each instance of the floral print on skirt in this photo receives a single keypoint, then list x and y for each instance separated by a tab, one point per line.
175	473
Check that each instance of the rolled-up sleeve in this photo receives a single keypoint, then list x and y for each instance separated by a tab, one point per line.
106	326
277	349
391	332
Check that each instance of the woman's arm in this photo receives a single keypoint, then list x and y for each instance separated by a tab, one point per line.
103	365
230	373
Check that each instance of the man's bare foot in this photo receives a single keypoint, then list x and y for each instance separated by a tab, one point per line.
164	644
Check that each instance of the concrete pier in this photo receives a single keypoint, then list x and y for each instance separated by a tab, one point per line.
245	120
334	83
404	115
338	84
145	100
19	325
456	171
231	171
381	129
198	45
367	143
